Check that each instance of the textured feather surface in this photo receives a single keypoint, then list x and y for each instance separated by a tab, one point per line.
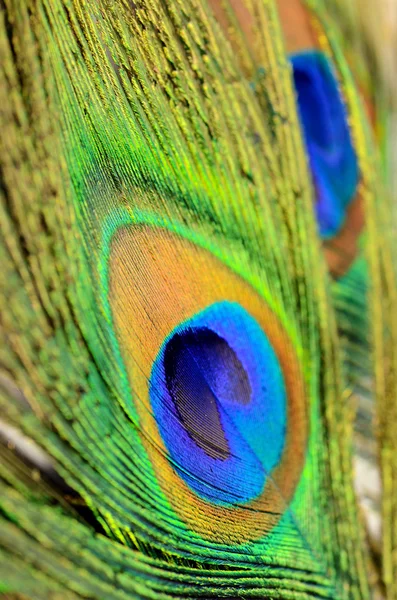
158	222
377	49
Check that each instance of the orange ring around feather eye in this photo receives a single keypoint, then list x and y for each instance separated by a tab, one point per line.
158	279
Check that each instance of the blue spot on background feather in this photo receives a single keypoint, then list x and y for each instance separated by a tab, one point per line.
219	399
329	145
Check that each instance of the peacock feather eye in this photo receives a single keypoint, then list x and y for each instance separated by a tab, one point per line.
329	145
217	385
327	127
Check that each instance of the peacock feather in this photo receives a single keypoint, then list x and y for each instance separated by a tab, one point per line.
188	289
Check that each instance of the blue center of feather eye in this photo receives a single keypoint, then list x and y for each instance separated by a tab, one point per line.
218	396
332	158
202	371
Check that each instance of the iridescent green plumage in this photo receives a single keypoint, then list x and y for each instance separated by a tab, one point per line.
121	118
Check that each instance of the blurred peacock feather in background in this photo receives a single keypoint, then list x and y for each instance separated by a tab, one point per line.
198	300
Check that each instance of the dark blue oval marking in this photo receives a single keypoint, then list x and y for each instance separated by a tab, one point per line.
218	396
329	145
